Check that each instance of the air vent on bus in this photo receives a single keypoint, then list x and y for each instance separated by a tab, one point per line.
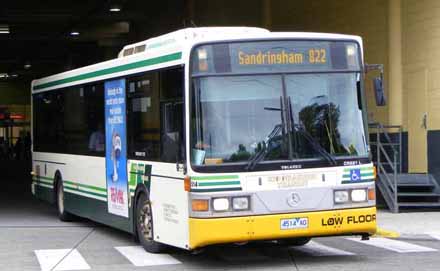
139	49
128	51
134	50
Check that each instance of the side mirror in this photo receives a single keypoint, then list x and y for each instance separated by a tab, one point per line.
379	93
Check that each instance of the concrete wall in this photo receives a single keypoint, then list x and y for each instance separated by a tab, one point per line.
421	52
421	73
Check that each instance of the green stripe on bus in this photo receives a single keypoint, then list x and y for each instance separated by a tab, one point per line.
121	68
41	180
217	189
43	184
354	182
227	177
362	169
45	178
86	186
219	183
362	175
71	189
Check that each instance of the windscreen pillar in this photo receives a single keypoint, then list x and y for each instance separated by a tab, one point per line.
395	93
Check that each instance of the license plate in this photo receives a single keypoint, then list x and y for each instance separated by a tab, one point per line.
294	223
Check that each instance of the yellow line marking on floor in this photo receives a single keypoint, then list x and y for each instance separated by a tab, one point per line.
386	233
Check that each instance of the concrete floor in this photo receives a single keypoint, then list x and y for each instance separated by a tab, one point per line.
32	238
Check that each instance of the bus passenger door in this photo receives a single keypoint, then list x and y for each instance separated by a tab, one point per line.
155	140
170	200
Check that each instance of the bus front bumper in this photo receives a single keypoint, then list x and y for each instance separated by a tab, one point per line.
208	231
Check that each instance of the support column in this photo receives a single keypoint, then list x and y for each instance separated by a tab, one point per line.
189	13
395	93
267	14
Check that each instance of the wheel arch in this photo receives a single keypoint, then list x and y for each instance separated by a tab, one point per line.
141	188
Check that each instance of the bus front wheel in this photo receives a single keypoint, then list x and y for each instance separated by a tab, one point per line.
299	241
62	214
144	226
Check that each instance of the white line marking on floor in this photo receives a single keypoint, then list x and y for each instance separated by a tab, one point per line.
139	257
317	249
394	245
435	236
49	258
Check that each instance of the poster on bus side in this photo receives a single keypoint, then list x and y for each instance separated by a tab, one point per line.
116	148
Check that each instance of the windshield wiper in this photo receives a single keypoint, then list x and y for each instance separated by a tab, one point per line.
315	144
324	153
261	153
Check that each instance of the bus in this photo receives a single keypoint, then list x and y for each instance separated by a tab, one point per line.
209	136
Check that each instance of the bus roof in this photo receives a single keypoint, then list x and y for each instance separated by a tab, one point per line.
166	50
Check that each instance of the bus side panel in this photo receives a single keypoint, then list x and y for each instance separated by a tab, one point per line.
85	189
44	193
170	206
96	210
43	177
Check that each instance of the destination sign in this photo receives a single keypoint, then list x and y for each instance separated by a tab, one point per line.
315	56
275	56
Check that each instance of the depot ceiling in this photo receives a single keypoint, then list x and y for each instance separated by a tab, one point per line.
54	36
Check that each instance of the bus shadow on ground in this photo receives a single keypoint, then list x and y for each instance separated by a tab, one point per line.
254	255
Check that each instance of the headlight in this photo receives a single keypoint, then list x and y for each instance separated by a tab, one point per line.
220	204
359	195
341	196
240	203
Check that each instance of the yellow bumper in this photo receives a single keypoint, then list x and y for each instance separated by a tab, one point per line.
208	231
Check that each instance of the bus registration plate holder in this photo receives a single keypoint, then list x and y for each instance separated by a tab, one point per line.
294	223
289	181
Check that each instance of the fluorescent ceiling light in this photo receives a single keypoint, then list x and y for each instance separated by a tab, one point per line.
4	29
115	8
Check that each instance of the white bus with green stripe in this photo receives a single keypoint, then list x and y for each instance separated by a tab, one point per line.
229	134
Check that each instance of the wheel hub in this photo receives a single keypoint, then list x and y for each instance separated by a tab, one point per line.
145	222
61	199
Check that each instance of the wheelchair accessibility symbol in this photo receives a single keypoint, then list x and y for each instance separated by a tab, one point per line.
355	175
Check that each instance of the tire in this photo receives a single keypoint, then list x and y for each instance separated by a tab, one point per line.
299	241
62	214
144	226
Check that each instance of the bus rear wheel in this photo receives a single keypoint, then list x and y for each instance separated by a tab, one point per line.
62	214
144	226
298	241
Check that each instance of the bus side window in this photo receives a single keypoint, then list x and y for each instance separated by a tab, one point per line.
143	115
49	135
172	115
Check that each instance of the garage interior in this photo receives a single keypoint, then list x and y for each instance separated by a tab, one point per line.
40	38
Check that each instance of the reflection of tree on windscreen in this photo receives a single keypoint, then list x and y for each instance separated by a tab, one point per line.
241	155
321	122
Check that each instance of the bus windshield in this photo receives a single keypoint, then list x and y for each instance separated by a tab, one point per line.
241	118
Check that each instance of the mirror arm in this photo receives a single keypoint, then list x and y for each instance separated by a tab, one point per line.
374	67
